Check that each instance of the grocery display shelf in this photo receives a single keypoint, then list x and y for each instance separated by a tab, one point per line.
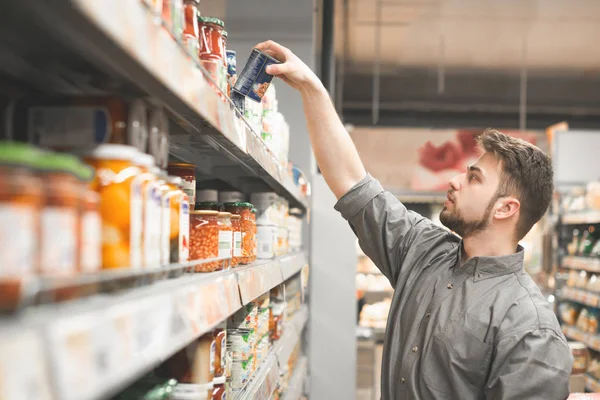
583	217
584	263
96	346
592	384
264	381
591	340
296	385
115	47
581	296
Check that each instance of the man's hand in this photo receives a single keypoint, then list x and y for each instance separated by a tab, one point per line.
292	70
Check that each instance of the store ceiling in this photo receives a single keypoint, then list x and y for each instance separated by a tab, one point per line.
460	62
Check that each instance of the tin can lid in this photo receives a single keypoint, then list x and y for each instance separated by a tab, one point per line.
211	20
204	212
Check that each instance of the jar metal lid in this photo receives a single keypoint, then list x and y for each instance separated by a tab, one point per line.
109	151
181	165
18	154
211	20
224	214
204	212
235	216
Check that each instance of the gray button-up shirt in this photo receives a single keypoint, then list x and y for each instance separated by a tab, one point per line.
472	331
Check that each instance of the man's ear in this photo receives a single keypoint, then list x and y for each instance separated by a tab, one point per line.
506	207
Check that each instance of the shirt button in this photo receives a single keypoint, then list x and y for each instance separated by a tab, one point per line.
402	380
450	286
428	314
415	349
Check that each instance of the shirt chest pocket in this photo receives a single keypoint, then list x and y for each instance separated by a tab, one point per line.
457	363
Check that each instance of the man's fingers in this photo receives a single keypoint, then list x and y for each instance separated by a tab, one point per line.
278	69
273	49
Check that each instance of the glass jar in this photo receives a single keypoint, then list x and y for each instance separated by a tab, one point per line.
21	199
190	27
581	356
220	338
211	38
219	388
188	175
151	211
165	216
236	224
120	204
244	210
225	82
254	235
59	253
225	239
177	18
209	205
204	239
179	220
90	233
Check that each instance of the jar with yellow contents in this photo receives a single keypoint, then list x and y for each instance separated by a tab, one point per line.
179	237
121	203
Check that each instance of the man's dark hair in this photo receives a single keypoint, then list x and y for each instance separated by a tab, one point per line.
526	174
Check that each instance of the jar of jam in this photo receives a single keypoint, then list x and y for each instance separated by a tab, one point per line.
179	220
59	254
225	239
236	224
212	52
190	27
244	210
188	175
21	199
120	204
204	239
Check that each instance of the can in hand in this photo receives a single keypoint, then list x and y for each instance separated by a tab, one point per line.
254	81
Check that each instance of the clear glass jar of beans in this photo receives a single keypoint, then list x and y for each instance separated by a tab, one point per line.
244	210
225	239
204	239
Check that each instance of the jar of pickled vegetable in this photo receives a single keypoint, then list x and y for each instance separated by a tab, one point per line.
204	239
244	210
236	224
225	239
120	204
59	254
21	199
179	236
254	235
188	175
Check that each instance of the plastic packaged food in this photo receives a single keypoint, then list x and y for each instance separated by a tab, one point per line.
581	357
188	175
231	197
219	388
220	338
158	137
59	254
121	203
583	320
90	233
68	123
152	212
236	224
568	312
21	199
254	81
204	239
225	239
179	220
244	210
593	323
207	195
266	238
190	27
276	318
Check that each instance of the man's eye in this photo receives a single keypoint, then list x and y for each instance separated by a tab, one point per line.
470	177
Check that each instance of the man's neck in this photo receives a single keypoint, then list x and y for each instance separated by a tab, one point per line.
487	244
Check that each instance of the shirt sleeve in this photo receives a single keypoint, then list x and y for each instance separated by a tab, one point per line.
383	225
536	365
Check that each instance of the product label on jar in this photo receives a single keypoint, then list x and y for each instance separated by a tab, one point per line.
225	243
91	241
266	235
59	240
75	126
165	230
237	244
184	231
189	188
18	240
223	352
213	355
152	219
136	204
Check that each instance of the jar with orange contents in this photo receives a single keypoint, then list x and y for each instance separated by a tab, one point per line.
190	27
151	211
244	210
59	254
204	239
21	199
236	224
212	52
225	239
179	220
90	233
120	204
254	235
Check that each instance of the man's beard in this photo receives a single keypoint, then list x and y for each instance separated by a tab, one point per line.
455	221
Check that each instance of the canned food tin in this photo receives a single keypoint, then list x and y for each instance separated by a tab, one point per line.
254	80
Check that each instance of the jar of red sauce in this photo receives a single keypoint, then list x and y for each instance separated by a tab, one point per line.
190	27
188	175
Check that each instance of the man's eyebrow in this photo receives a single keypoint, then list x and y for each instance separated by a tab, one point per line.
473	168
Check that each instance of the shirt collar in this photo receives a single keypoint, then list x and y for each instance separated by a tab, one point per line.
487	267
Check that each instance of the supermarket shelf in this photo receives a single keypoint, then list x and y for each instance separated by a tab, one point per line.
296	386
291	268
98	345
117	45
591	340
284	347
584	263
581	296
591	384
263	383
584	217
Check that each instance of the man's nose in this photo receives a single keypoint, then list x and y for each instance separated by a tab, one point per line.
454	183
